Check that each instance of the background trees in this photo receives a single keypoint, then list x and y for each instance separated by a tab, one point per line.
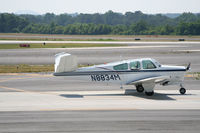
12	23
130	23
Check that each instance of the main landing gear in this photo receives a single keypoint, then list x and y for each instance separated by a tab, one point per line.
139	88
182	90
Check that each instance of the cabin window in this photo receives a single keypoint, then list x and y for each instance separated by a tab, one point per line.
135	65
121	67
147	64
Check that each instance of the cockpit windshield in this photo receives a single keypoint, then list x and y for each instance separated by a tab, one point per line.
156	63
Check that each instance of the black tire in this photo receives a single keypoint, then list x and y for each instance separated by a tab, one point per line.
139	88
182	91
149	93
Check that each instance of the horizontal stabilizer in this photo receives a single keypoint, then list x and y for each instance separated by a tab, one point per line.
65	62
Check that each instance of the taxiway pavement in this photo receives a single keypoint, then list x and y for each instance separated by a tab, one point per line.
140	121
36	92
96	37
44	103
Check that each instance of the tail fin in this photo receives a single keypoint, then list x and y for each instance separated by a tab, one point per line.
65	62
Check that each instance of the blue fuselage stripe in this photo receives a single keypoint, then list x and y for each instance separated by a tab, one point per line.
76	73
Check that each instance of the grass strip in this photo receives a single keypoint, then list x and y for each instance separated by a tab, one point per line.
23	68
58	45
56	39
194	75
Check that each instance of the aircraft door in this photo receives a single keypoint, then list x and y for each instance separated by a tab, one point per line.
135	65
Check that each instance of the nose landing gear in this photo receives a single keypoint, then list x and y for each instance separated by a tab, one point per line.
182	90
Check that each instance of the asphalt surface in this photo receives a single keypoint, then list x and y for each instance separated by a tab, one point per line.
142	121
86	37
174	53
32	103
43	103
33	92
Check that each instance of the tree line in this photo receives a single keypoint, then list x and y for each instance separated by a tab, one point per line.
129	23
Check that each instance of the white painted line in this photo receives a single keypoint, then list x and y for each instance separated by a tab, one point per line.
122	47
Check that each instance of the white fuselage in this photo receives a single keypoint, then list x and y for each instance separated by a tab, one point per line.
144	73
106	73
101	75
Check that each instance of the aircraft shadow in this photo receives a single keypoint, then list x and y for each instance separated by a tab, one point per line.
156	96
72	95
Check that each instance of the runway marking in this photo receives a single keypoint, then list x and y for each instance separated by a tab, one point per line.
21	90
13	89
10	79
4	80
89	109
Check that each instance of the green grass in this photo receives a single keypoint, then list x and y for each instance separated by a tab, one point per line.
59	45
195	75
22	68
49	39
32	39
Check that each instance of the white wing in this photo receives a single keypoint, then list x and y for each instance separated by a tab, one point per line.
153	79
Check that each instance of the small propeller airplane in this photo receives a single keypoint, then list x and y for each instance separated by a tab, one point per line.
144	73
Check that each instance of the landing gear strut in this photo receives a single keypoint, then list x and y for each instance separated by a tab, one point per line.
182	90
139	88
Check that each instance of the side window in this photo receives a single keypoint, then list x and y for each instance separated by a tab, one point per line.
121	67
135	65
147	64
